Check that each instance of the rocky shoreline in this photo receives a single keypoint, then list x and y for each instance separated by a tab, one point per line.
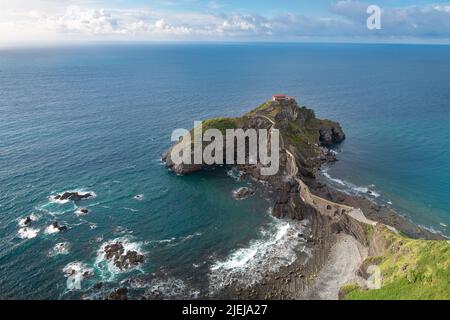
339	222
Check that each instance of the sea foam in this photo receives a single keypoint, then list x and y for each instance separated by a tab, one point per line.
32	217
28	233
51	229
59	248
277	246
76	272
350	187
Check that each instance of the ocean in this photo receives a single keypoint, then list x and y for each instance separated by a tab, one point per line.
96	118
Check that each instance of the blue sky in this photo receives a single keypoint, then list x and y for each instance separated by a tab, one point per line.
222	20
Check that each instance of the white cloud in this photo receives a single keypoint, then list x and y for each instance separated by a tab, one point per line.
346	18
215	5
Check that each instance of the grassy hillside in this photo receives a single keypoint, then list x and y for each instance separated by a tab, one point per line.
410	269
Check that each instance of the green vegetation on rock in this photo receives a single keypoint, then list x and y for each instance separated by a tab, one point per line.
298	126
410	269
302	138
221	124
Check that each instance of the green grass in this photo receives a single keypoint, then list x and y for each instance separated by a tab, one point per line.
368	229
263	108
410	269
302	138
221	124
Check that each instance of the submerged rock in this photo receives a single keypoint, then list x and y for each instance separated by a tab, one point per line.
76	273
28	233
60	248
242	193
82	211
59	227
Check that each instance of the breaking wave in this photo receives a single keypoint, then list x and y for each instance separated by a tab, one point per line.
28	233
59	248
139	197
350	187
76	272
173	241
32	217
51	229
170	288
235	174
278	246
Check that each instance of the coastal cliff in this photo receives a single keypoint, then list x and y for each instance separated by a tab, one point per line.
345	231
300	131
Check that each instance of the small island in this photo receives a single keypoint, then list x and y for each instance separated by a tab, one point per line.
361	250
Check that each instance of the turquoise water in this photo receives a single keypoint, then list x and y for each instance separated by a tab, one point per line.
97	118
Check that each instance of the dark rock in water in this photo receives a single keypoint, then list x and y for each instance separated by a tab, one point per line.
81	211
242	193
180	168
61	228
331	135
114	250
119	294
121	259
74	196
27	221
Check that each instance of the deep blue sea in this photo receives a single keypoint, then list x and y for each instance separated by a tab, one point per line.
98	118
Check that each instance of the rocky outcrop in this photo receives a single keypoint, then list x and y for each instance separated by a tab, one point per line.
242	193
122	258
59	227
74	196
331	135
27	221
81	211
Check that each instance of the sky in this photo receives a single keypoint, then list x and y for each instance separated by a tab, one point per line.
402	21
